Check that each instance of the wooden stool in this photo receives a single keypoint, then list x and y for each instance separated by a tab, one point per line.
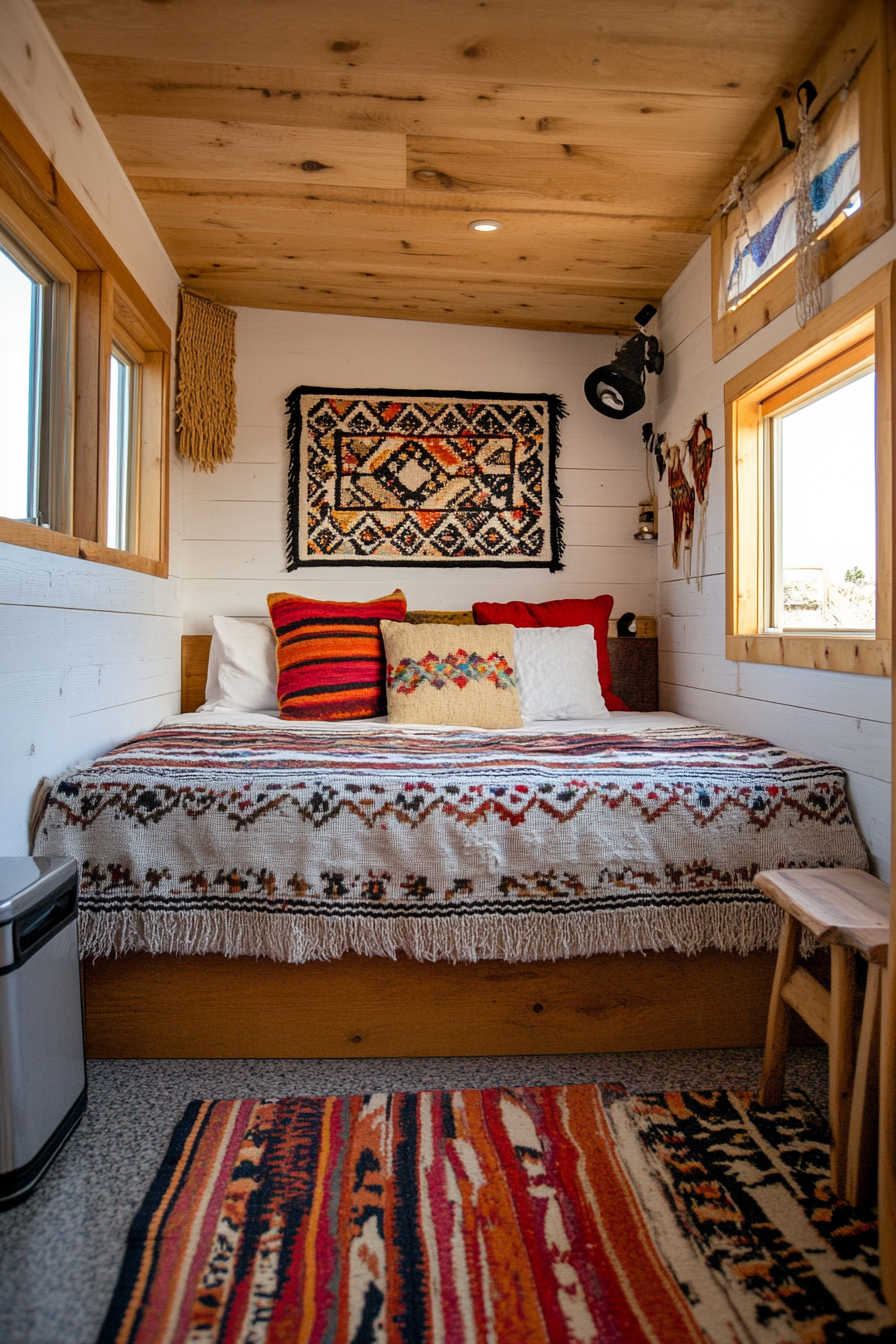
850	911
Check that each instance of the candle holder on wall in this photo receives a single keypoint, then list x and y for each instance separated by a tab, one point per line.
647	520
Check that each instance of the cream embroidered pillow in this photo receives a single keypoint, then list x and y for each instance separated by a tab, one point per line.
459	675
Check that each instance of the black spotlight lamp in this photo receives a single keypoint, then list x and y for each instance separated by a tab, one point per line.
617	389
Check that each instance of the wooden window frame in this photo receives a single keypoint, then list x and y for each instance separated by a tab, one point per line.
56	432
868	311
107	300
867	35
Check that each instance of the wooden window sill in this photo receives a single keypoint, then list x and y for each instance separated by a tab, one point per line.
59	543
831	653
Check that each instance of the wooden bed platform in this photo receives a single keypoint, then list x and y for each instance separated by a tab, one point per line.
165	1007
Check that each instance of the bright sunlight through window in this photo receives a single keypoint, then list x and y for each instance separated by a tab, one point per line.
120	503
21	320
823	541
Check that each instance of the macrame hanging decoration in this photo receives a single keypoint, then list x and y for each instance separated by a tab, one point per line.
682	499
740	197
808	285
206	390
700	458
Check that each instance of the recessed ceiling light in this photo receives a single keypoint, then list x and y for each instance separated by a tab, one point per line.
485	225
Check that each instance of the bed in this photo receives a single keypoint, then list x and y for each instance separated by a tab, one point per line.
252	888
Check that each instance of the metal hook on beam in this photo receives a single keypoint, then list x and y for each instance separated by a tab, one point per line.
786	141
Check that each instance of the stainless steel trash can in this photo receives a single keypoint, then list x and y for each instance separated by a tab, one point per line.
43	1080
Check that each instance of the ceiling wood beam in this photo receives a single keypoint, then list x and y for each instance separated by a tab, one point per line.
423	302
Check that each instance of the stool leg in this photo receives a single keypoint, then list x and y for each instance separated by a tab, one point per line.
771	1086
886	1169
842	1059
861	1156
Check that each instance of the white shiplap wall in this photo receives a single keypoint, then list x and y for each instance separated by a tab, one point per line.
834	716
88	654
235	520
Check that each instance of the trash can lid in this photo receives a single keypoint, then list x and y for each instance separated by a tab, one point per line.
24	881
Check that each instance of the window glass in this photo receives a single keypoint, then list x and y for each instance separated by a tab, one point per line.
122	441
21	349
823	537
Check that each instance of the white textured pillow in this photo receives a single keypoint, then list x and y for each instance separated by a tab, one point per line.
242	666
556	672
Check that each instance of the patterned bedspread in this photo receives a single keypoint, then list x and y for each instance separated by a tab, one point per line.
455	846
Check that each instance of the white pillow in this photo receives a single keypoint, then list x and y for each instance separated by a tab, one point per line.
556	672
242	666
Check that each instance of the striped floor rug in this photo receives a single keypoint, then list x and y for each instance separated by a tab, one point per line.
504	1216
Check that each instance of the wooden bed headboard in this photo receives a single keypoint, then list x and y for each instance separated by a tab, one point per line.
194	651
634	664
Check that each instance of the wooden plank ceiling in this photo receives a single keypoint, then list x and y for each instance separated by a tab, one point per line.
328	155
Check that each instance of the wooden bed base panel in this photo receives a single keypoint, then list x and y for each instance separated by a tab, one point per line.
212	1007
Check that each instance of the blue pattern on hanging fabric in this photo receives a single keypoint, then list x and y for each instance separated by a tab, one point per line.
759	245
823	185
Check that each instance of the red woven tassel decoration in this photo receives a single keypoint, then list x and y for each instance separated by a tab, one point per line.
683	499
700	452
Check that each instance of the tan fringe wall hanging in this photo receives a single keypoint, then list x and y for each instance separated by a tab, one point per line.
206	390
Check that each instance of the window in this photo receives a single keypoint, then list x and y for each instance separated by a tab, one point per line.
821	545
753	272
21	347
124	391
808	488
35	363
84	375
761	235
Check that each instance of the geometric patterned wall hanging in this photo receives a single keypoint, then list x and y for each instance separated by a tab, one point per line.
447	479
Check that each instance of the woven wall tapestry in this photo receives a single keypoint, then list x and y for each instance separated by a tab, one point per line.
378	477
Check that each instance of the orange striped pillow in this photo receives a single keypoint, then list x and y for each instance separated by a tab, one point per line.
330	661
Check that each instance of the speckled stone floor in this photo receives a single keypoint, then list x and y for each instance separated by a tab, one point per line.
60	1251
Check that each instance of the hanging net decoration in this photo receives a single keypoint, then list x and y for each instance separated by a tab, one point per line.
740	197
206	390
808	285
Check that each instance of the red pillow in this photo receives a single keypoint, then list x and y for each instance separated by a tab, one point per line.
330	658
593	611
